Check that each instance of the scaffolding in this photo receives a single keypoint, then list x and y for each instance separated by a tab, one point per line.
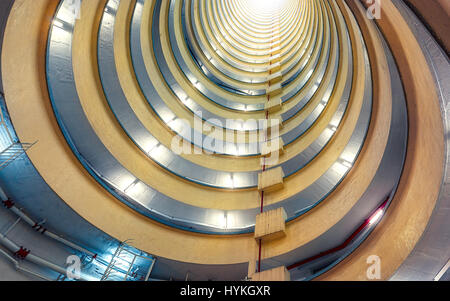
12	152
10	147
128	264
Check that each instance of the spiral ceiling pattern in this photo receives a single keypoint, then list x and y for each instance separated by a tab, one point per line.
178	123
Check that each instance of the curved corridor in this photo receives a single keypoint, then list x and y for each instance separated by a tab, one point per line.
223	139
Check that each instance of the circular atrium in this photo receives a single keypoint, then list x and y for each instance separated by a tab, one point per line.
224	140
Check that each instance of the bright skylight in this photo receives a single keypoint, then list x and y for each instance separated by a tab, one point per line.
266	6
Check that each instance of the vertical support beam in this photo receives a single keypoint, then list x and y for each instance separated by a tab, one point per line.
150	269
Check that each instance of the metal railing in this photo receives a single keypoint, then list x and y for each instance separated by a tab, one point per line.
126	265
10	147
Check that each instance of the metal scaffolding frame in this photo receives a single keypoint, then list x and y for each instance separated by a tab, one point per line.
11	147
12	152
122	265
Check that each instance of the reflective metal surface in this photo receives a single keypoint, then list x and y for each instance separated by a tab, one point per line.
160	154
129	189
137	132
161	108
145	83
432	252
97	159
309	60
383	185
197	83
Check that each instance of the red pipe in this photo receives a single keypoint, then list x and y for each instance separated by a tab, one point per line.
259	258
262	201
343	245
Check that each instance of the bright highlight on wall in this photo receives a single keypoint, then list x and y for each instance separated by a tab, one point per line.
376	217
266	7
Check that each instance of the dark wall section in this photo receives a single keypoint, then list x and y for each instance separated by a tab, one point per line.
436	15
